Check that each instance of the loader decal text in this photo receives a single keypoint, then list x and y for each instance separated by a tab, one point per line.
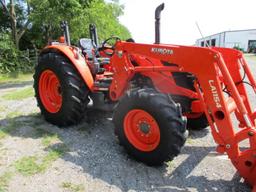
162	51
215	94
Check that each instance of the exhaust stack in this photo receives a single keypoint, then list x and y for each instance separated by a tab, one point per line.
158	11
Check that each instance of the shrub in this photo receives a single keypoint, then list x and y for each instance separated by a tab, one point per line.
238	48
11	59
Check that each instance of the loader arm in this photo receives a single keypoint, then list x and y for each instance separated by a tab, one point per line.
215	69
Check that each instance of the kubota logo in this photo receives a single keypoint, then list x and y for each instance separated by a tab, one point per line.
162	51
215	94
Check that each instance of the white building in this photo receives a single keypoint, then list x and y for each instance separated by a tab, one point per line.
244	39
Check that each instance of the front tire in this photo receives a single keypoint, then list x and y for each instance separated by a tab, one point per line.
61	94
198	123
194	121
150	126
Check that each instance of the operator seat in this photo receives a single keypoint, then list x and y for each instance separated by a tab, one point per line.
88	50
87	47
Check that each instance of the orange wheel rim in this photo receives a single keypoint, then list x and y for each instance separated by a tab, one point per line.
50	91
142	130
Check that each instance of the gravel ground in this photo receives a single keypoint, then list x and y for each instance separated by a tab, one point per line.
95	162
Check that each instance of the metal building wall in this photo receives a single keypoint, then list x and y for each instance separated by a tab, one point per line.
230	39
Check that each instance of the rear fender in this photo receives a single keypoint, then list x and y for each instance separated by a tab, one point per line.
76	59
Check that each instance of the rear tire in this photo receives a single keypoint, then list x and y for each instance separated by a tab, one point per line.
157	113
61	93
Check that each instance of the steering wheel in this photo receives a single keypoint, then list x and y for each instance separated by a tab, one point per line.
107	48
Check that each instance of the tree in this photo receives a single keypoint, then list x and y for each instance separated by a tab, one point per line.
79	14
105	16
53	12
32	23
17	29
44	16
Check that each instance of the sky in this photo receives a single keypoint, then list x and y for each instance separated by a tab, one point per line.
178	19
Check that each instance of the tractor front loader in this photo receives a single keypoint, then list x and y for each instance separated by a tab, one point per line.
159	90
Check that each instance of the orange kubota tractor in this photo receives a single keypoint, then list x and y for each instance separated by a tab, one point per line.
159	90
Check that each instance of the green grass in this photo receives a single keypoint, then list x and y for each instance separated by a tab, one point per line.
2	108
58	149
2	134
32	165
4	181
15	78
170	164
2	111
9	128
190	141
28	166
49	139
37	122
13	114
19	94
39	132
72	187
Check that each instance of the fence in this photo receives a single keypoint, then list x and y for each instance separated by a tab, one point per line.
31	55
12	60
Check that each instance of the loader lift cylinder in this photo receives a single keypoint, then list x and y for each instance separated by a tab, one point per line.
158	11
